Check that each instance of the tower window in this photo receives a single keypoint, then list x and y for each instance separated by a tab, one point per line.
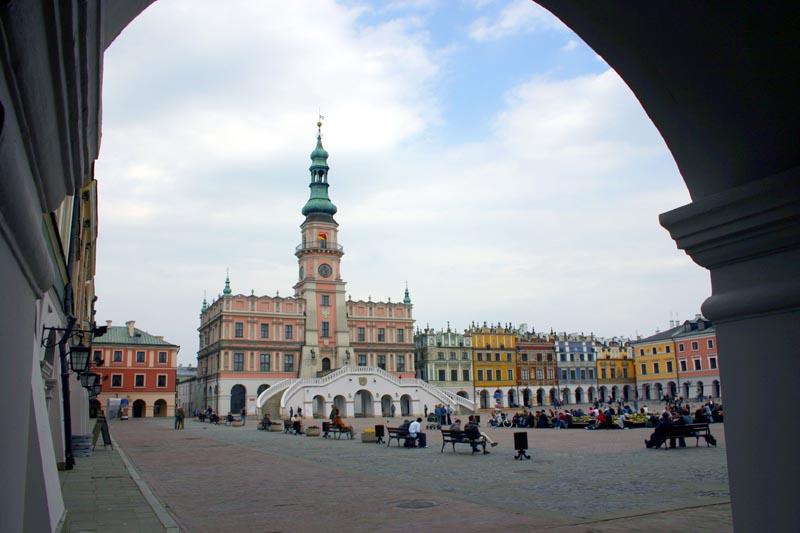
326	329
239	329
381	335
326	300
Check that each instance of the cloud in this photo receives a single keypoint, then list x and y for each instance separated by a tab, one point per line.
520	16
571	45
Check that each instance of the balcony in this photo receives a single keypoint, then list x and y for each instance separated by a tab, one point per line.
318	246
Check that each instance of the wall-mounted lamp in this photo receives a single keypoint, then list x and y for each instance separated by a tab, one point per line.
79	358
313	354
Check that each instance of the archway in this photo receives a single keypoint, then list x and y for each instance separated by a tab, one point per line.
591	395
340	403
362	404
646	391
160	408
686	392
603	394
512	398
139	409
672	387
526	397
540	396
565	395
716	388
614	393
386	405
659	391
463	394
326	363
498	398
318	406
484	394
626	393
579	395
261	388
405	405
238	394
700	389
553	396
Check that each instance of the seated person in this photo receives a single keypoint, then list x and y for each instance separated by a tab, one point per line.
297	424
658	436
339	423
456	426
473	433
417	437
265	422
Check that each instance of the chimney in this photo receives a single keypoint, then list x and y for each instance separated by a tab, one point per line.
108	324
130	324
160	337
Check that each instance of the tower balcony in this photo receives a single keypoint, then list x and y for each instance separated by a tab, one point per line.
319	246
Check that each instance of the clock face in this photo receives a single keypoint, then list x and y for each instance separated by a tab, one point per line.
325	270
302	273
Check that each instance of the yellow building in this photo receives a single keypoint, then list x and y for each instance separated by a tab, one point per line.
616	371
494	361
656	369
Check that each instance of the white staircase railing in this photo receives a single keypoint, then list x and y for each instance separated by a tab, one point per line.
272	391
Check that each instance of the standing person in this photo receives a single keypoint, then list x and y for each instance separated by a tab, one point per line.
392	409
175	425
181	417
334	412
449	415
414	431
244	415
426	411
291	413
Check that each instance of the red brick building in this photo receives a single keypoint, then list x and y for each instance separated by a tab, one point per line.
137	366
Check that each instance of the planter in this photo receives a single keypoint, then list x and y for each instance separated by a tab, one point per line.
312	432
369	437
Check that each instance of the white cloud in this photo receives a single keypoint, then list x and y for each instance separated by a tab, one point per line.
520	16
571	45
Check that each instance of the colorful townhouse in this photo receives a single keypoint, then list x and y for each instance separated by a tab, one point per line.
444	358
698	359
656	367
494	365
536	369
138	367
576	368
616	371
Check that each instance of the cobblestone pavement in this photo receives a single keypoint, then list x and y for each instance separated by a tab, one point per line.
218	477
100	495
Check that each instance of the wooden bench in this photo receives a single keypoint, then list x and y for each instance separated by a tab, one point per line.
697	431
397	433
336	430
459	437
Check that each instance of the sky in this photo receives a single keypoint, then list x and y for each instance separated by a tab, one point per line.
479	151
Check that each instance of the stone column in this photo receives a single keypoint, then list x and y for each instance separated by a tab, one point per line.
749	239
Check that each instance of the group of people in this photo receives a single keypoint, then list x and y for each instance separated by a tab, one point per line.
442	414
679	415
337	422
180	415
472	431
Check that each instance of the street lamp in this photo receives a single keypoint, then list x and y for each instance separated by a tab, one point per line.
313	354
89	380
79	358
347	357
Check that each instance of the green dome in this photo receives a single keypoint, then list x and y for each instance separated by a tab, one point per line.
319	201
319	157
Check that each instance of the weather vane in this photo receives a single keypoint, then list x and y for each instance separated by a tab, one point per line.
319	122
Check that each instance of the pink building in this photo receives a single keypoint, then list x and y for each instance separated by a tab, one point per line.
698	359
250	343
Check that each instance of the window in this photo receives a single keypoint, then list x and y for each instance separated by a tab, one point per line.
697	365
510	373
695	345
591	373
140	357
326	300
441	374
381	335
98	356
116	380
238	330
613	372
497	357
564	374
625	372
668	348
539	357
572	357
644	369
265	331
454	375
498	375
669	366
452	356
680	347
654	350
712	362
683	365
238	361
138	380
288	361
382	362
480	375
362	359
401	363
550	373
524	357
539	374
464	356
655	368
603	373
711	343
440	356
117	356
161	380
641	351
480	356
362	334
265	362
288	332
465	375
162	357
550	357
591	357
572	373
525	374
326	329
563	358
401	336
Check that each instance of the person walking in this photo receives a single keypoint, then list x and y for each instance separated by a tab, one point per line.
175	424
181	417
244	415
392	409
415	433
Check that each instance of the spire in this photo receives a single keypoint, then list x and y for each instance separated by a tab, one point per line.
407	298
205	303
227	289
318	202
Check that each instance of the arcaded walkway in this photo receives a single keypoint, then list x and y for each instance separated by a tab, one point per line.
212	478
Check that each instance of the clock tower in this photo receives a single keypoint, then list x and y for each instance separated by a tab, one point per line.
319	254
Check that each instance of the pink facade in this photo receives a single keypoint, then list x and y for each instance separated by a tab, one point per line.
698	360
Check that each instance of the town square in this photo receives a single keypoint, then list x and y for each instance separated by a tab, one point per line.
390	265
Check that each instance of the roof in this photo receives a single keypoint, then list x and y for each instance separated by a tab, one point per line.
662	336
119	335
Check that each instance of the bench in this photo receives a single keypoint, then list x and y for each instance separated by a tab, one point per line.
697	431
458	437
336	430
397	433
